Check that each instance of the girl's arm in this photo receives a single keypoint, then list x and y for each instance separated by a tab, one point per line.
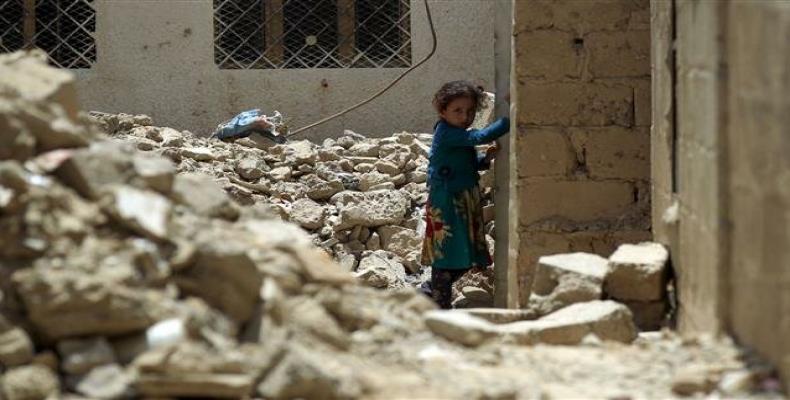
476	136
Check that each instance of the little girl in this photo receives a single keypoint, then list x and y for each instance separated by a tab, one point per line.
454	235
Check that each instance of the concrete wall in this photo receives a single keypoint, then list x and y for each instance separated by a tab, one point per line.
580	165
720	152
157	57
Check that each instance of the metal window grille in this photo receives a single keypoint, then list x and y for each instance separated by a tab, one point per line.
62	28
12	14
312	34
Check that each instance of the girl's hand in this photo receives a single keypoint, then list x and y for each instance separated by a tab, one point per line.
491	152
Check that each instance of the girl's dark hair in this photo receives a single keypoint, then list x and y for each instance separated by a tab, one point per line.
456	89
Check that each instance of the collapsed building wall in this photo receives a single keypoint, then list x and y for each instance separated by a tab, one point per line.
720	166
580	168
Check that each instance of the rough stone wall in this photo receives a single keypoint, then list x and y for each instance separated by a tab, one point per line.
720	143
581	138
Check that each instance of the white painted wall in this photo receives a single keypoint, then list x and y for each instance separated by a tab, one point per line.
157	57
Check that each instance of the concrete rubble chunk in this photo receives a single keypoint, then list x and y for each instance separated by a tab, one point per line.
607	320
192	369
204	196
308	214
30	382
198	153
382	271
225	276
145	212
374	209
310	374
638	272
95	305
551	269
89	170
157	173
251	169
78	356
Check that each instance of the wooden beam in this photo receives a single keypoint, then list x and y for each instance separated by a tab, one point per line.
29	23
346	26
274	48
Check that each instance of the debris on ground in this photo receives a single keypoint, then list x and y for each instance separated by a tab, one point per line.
150	263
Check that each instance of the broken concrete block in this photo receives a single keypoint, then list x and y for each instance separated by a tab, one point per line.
308	214
193	370
694	379
78	356
202	194
552	269
637	272
373	210
157	173
501	315
320	189
251	169
608	320
477	297
31	382
89	170
460	327
370	180
381	270
145	212
16	348
225	276
94	305
197	153
310	374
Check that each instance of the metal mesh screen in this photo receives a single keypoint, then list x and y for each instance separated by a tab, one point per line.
64	29
312	34
11	25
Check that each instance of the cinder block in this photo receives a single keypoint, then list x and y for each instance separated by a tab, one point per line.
574	200
544	152
613	152
579	16
548	54
643	103
575	104
618	54
637	272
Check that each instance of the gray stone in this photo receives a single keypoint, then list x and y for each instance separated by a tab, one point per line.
637	272
89	170
371	179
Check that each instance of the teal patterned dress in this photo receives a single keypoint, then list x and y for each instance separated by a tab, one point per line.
454	233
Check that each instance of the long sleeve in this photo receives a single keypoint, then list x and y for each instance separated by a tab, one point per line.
456	137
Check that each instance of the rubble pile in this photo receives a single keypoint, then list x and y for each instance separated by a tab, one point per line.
124	275
361	200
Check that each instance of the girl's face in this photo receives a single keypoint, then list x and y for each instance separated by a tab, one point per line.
460	112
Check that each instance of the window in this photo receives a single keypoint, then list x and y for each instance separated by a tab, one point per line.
312	34
62	28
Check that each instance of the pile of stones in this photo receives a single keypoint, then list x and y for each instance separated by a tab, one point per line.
362	200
